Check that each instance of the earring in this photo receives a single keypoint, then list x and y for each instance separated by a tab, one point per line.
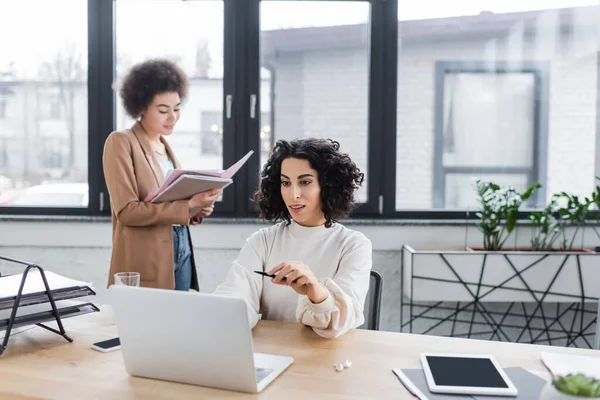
340	367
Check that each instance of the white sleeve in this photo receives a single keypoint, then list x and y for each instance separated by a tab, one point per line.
242	282
343	308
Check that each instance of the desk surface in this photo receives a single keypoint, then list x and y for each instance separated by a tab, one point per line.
41	365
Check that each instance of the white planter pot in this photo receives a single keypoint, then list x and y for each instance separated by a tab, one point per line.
499	276
549	392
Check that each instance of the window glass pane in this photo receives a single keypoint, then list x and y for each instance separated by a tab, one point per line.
505	91
191	34
488	119
315	75
43	104
460	188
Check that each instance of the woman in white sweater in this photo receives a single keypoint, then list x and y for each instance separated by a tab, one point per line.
308	185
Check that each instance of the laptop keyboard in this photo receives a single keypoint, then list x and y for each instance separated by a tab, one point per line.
262	373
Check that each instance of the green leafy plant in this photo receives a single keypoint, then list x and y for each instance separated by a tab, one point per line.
578	385
576	212
563	211
499	211
546	228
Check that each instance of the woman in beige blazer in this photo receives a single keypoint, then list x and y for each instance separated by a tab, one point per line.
152	239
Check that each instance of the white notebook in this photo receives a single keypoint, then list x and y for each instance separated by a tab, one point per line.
9	285
563	364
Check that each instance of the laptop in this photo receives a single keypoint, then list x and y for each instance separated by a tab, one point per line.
196	338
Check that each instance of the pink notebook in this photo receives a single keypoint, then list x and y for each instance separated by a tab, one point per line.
177	173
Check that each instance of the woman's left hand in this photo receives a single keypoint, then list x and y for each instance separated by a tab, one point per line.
206	211
300	278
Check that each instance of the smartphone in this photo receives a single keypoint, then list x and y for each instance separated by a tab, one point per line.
267	275
107	345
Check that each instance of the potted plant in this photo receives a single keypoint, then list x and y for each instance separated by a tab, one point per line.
499	211
441	284
565	211
571	387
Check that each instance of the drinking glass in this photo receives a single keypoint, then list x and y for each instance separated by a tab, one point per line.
127	279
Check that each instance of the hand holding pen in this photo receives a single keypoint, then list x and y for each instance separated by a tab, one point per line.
299	277
263	273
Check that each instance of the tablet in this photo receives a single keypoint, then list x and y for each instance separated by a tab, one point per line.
466	374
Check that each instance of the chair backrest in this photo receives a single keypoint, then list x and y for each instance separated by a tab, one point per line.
373	302
597	338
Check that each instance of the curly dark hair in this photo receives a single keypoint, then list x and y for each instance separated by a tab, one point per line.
339	177
149	78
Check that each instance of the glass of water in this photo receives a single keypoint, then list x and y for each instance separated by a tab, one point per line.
127	279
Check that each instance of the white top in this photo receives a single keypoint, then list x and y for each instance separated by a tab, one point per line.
166	165
339	257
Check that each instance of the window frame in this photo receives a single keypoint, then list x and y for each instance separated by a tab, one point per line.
390	101
537	173
232	49
373	208
100	56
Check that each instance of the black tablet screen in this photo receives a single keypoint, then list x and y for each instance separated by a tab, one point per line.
471	372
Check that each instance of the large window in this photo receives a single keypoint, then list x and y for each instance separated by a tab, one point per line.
315	58
43	97
425	96
498	91
487	125
191	34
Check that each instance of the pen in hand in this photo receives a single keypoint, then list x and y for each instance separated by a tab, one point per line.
267	275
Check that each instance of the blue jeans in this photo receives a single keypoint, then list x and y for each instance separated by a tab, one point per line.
182	258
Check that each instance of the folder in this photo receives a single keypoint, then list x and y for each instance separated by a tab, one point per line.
182	184
529	385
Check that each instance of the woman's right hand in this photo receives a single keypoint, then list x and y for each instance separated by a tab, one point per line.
204	199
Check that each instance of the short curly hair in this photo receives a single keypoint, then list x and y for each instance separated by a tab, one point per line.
149	78
339	178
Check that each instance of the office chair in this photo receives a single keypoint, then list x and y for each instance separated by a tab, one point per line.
373	302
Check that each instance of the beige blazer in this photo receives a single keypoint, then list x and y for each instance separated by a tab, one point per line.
142	238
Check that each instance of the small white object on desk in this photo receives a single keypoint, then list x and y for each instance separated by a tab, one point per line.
347	363
338	367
